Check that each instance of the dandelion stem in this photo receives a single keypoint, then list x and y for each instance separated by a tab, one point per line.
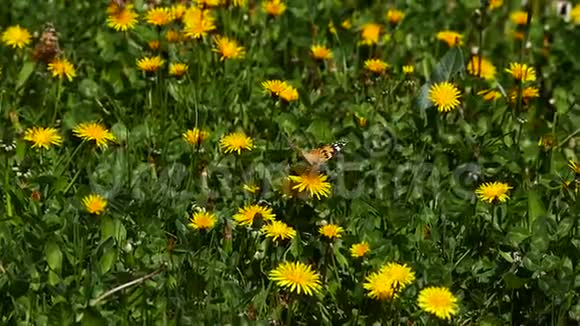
57	101
6	187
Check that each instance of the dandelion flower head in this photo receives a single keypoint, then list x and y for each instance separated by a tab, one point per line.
203	220
42	137
445	96
438	301
278	230
376	65
236	142
297	277
331	231
122	19
481	67
247	214
228	48
450	37
493	192
360	249
94	131
521	72
315	183
94	204
16	37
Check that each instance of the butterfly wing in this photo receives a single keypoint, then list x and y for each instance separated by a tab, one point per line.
318	156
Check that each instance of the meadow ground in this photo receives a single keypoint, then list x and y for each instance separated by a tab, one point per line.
289	162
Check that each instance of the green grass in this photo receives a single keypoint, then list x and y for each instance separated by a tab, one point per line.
405	182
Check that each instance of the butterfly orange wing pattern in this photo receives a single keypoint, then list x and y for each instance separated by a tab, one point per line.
321	155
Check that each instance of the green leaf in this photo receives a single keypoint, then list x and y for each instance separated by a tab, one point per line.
24	74
320	129
518	234
53	256
286	122
535	207
107	228
108	259
451	63
506	256
423	101
512	281
93	318
89	88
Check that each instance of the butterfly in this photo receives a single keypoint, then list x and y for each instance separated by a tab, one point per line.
318	156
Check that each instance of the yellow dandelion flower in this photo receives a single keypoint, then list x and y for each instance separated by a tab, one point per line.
150	64
574	166
521	72
198	23
571	185
274	87
481	67
289	94
251	188
236	142
297	277
395	16
195	136
438	301
379	286
178	11
399	275
494	4
228	48
154	45
94	131
160	16
408	69
331	231
278	230
113	7
493	192
332	28
208	3
247	214
361	121
172	36
527	94
360	249
519	17
123	19
489	94
575	14
94	204
371	33
202	220
445	96
346	24
61	68
314	183
178	69
320	52
450	37
274	7
238	3
16	37
41	137
376	65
